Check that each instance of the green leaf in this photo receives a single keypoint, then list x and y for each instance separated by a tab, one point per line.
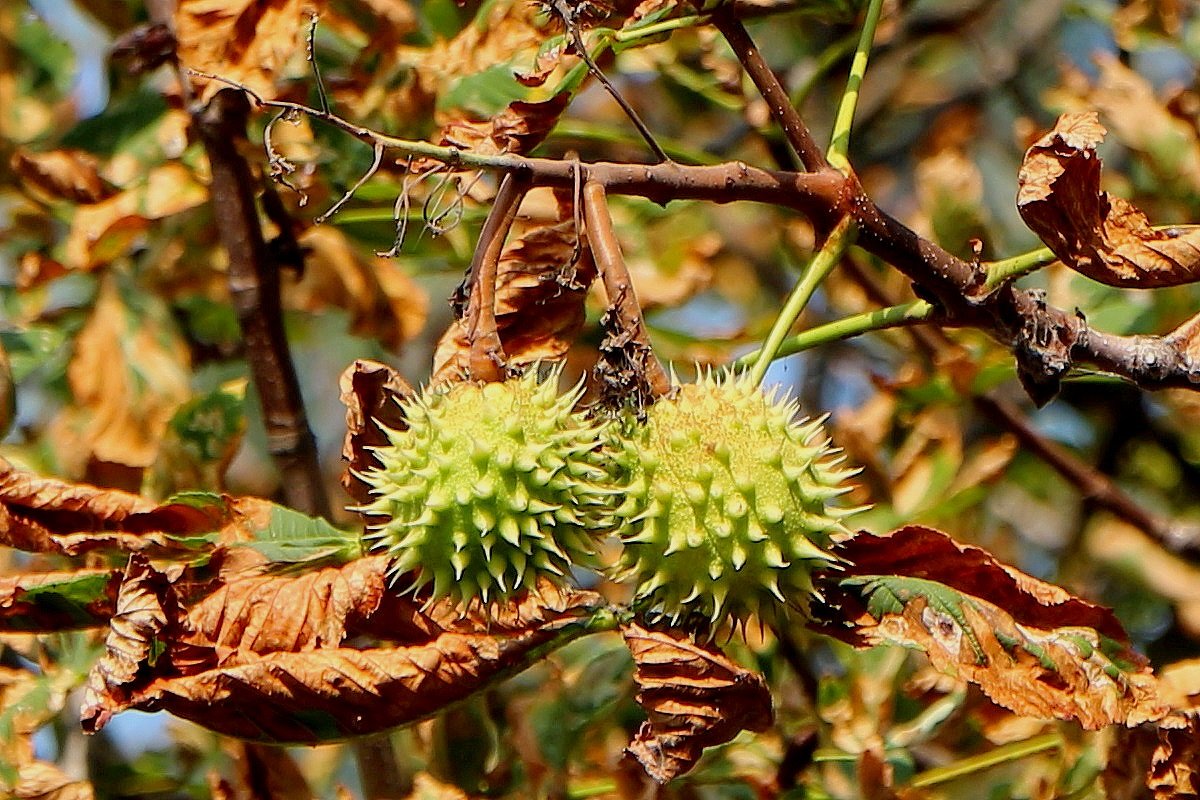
292	537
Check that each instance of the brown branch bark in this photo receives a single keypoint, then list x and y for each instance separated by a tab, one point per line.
254	292
728	23
1047	341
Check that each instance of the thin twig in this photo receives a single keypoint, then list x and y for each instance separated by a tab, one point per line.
400	212
570	19
772	90
1019	319
377	159
311	53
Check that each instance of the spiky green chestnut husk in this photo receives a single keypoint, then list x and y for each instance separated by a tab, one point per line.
729	504
490	487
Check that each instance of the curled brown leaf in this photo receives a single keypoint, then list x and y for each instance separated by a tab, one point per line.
519	128
323	655
52	516
695	697
1030	646
1096	234
371	393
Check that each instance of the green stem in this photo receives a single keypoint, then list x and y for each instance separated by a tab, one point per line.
1006	269
839	143
822	264
828	59
588	790
633	34
847	328
992	758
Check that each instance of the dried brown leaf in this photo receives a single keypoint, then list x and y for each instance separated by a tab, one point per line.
1103	237
695	697
129	374
48	515
371	393
41	780
257	614
1175	762
539	301
247	41
1030	646
220	663
71	175
518	129
105	230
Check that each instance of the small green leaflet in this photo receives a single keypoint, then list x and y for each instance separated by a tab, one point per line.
292	537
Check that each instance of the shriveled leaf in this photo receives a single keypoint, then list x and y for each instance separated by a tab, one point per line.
371	393
695	697
272	613
519	128
71	175
1096	234
1175	763
540	297
56	601
41	780
222	664
48	515
243	40
1030	646
325	695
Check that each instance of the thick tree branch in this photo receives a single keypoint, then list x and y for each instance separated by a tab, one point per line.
1046	340
254	292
